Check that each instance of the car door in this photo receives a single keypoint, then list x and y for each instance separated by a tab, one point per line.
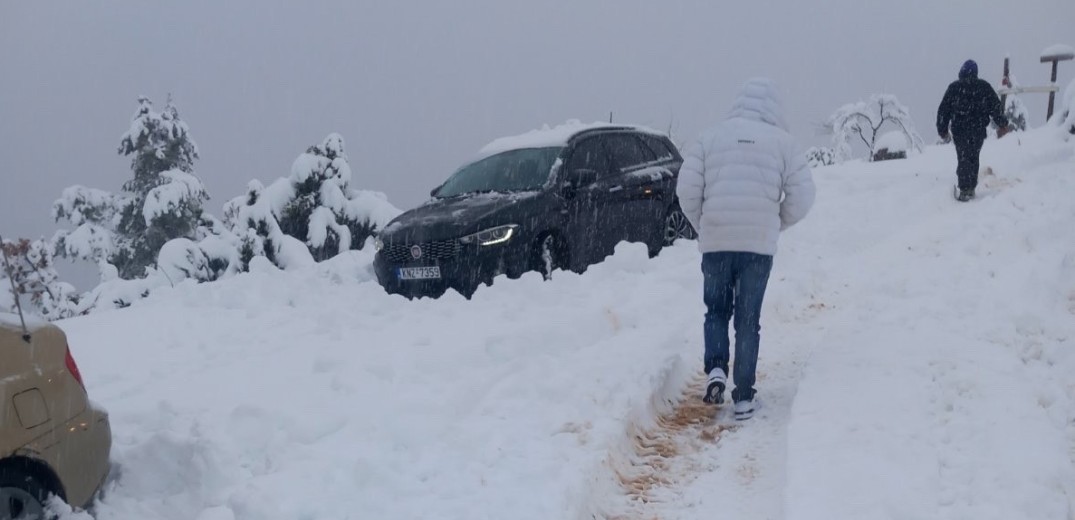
586	191
637	182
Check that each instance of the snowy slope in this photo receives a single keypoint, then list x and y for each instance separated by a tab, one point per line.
916	360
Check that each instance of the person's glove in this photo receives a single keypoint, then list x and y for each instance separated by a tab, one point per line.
1003	130
945	137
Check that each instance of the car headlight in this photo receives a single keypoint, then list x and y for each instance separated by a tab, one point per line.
491	236
378	244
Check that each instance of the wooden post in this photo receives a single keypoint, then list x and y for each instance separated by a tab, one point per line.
1055	59
1007	83
1052	95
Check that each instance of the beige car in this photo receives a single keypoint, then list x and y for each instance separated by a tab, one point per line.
52	439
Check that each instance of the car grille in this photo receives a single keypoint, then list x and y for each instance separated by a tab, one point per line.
437	250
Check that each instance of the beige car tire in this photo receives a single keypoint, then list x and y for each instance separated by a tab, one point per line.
21	496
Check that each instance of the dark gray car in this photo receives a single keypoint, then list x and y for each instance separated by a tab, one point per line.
544	201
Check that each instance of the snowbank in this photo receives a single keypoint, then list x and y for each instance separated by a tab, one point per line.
312	393
916	360
942	376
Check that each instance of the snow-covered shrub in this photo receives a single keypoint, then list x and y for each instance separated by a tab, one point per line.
820	156
1016	112
314	205
207	260
162	202
1014	108
865	119
29	264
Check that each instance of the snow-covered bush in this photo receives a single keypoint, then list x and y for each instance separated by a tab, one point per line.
29	264
820	156
162	202
1014	108
314	205
1016	112
865	119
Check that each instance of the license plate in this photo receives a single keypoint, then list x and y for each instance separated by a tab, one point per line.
419	273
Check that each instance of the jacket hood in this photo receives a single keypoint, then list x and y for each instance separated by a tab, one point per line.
759	101
968	70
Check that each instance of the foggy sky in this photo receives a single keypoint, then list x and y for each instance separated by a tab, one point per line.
416	88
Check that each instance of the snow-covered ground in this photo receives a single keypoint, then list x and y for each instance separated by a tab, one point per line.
916	363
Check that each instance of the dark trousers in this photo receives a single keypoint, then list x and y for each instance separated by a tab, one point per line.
968	147
734	284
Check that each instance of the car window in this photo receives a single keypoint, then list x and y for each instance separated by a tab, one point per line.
659	147
590	154
628	152
525	169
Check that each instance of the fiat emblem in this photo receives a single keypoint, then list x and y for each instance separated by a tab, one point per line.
416	252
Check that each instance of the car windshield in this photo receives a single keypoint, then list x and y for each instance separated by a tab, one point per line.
516	170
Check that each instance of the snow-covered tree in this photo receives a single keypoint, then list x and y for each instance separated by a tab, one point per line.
29	264
864	121
163	201
314	205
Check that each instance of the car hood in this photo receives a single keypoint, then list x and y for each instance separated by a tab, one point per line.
454	217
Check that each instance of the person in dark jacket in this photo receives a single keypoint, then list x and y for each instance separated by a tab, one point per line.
967	106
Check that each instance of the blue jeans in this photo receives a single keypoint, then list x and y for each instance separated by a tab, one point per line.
734	282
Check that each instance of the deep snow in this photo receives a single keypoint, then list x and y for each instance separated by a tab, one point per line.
915	363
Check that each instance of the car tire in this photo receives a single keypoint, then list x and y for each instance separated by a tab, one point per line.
676	226
21	495
548	255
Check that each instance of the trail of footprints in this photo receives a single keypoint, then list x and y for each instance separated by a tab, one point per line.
661	459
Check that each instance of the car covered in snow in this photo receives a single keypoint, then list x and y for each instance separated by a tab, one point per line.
556	198
53	440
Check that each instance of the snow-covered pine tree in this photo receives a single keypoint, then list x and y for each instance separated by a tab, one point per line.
162	202
311	215
318	213
252	220
864	120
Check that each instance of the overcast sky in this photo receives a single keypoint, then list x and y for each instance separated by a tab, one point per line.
416	88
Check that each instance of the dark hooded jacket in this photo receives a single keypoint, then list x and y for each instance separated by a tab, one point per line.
968	105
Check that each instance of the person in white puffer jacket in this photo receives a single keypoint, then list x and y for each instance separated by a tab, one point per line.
742	182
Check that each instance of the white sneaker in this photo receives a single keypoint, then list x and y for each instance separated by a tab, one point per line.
714	390
744	410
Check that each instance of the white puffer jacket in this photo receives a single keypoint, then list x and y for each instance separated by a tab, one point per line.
745	180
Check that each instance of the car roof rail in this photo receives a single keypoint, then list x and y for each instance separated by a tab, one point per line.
600	130
14	291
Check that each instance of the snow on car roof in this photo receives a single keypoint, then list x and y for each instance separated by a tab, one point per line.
544	137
